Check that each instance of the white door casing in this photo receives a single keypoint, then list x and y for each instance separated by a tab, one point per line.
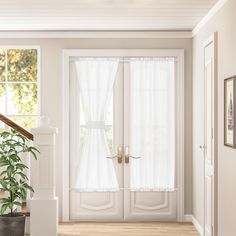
210	136
138	206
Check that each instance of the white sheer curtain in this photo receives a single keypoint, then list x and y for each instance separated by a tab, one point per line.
152	124
96	77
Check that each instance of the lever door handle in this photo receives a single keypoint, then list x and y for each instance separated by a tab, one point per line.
134	157
127	155
118	156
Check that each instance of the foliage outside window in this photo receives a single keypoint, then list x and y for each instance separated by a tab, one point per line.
19	85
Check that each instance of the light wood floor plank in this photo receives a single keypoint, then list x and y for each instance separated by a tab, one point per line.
126	229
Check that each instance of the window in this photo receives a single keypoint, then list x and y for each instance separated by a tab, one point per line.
19	80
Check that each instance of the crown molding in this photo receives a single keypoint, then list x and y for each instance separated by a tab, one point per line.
209	16
96	34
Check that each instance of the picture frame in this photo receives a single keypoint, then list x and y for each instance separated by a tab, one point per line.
230	112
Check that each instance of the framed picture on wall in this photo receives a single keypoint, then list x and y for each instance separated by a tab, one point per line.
230	112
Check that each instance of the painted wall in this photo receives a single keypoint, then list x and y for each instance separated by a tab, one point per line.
224	23
51	87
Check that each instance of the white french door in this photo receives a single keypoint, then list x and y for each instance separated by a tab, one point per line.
142	125
96	205
149	107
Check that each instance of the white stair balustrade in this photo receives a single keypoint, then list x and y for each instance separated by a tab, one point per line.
44	204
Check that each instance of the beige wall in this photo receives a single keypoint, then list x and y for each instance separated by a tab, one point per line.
51	87
224	23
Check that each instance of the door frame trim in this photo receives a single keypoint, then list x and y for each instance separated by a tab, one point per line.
179	54
212	39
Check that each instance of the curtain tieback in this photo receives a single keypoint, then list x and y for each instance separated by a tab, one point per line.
95	125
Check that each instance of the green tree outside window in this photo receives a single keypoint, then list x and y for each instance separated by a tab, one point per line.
19	85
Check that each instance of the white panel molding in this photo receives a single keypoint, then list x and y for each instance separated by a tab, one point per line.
209	16
95	34
162	205
106	206
197	226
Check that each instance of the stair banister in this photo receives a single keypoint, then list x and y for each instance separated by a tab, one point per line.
15	126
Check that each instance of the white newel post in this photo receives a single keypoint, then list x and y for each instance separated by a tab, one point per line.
44	204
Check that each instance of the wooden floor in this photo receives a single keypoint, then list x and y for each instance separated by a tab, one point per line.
127	229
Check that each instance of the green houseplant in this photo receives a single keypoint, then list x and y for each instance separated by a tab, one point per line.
13	181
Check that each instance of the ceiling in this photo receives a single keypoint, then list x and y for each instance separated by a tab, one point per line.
102	14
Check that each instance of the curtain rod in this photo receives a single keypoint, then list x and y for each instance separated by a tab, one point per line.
172	59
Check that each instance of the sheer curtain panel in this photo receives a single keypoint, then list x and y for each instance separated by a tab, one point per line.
96	78
152	124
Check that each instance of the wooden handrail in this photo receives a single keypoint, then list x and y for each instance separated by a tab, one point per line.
15	126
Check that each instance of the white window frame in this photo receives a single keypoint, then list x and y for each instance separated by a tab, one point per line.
38	48
179	55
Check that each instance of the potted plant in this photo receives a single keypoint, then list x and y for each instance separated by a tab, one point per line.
13	181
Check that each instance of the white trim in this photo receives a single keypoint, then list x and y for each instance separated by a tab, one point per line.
193	220
197	226
213	39
95	34
124	53
180	136
179	54
37	47
187	218
209	16
65	136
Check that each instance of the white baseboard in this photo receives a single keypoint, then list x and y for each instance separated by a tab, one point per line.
197	226
187	218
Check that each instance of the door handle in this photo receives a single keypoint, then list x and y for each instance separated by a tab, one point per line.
202	147
119	155
127	155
